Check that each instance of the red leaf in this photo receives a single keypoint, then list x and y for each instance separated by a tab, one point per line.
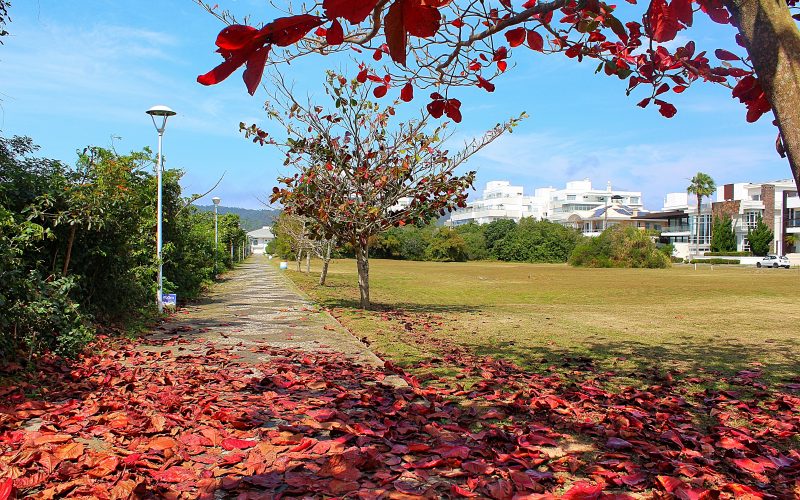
749	465
584	491
255	69
407	93
335	34
665	108
663	22
682	9
436	108
420	19
380	91
285	31
617	444
6	488
502	65
237	444
515	37
395	32
535	41
452	109
236	37
354	12
362	76
724	55
485	84
458	490
162	443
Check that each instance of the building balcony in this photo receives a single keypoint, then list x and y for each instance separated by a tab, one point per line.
681	230
793	223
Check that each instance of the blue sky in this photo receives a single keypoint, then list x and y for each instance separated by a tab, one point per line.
80	73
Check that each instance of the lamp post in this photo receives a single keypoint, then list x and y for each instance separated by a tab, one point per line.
162	112
616	197
216	201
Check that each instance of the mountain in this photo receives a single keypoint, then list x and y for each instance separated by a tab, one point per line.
251	219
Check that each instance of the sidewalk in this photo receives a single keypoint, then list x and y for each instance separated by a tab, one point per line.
255	306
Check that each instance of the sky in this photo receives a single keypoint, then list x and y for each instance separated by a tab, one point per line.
83	73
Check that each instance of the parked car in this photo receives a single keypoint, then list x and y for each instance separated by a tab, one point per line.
774	261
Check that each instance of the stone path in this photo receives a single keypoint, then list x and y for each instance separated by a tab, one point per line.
256	305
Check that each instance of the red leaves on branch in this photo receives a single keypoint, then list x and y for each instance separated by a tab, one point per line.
409	17
535	41
407	93
749	92
335	34
353	12
241	45
439	106
516	36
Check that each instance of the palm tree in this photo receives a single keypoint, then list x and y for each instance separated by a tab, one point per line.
701	185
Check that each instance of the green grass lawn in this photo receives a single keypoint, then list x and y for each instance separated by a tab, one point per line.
726	319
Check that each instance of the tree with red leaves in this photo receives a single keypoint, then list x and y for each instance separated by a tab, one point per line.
441	43
357	176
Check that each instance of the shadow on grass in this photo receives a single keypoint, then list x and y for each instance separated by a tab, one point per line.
354	306
779	360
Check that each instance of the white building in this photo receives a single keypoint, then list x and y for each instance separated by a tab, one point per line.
578	200
500	200
580	196
775	202
259	239
678	221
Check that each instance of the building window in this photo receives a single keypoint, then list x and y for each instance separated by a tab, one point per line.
634	200
751	218
570	197
756	197
705	229
745	245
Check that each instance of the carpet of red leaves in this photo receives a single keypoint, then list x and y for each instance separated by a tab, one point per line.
121	423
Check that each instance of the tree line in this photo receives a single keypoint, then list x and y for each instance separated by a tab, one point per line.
77	246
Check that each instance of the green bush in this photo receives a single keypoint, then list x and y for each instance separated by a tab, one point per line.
760	238
446	245
537	241
715	261
723	239
619	246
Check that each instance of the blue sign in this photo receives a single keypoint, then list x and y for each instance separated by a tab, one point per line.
169	300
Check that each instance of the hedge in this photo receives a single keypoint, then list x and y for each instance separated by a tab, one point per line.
727	254
714	261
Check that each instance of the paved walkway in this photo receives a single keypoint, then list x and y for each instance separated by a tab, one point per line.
255	305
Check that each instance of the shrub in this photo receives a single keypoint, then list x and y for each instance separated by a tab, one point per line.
537	241
760	238
723	239
619	246
715	261
446	245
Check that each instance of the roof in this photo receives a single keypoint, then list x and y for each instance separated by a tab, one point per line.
662	215
614	212
264	232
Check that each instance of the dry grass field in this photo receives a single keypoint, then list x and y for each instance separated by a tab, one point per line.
726	319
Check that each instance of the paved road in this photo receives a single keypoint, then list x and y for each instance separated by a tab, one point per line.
256	305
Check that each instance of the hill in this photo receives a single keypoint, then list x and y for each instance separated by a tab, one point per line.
251	218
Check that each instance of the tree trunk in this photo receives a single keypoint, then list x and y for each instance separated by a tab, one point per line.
299	258
326	259
773	43
308	261
697	223
362	259
70	242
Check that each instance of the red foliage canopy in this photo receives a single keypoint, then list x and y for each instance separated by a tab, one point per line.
454	43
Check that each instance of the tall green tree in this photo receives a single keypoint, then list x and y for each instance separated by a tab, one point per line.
723	239
760	238
702	186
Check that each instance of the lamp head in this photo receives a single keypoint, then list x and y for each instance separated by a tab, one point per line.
163	112
216	200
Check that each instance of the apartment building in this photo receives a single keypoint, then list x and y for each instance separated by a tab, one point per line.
574	205
777	203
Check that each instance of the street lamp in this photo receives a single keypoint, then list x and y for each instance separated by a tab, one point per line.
216	201
163	113
616	197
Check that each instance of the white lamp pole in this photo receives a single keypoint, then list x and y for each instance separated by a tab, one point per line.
163	113
216	201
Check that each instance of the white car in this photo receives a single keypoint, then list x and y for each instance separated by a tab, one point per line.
773	261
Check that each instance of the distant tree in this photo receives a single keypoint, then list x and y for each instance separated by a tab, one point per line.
619	246
723	239
702	185
4	19
495	231
760	238
446	246
535	240
474	240
354	169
